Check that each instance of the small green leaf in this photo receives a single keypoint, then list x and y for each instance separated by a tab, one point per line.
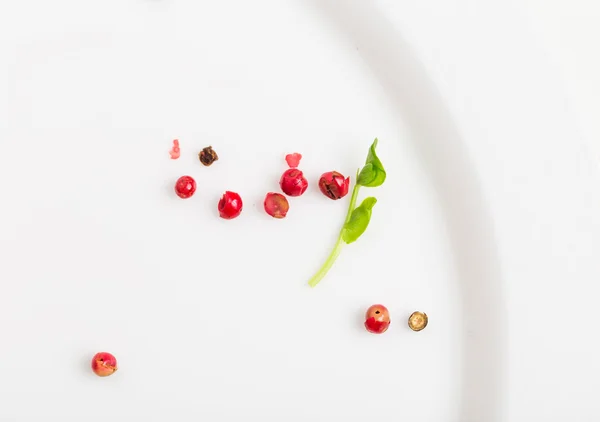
372	174
359	220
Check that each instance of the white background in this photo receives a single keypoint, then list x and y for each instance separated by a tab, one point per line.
83	269
570	33
212	319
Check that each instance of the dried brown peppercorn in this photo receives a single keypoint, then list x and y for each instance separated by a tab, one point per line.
208	156
417	321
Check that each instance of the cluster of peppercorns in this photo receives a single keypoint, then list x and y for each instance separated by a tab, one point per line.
293	183
377	320
229	206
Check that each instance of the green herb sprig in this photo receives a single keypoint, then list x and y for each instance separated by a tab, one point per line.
357	219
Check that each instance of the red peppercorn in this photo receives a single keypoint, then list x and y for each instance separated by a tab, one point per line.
293	182
230	205
377	319
334	185
185	186
276	205
293	160
104	364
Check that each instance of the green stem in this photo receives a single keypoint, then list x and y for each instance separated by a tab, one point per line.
352	201
327	265
338	244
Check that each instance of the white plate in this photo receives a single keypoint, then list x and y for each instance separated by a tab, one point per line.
486	221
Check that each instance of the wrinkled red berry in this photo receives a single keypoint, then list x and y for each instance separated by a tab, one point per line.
293	182
334	185
185	186
230	205
377	319
208	156
276	205
293	160
104	364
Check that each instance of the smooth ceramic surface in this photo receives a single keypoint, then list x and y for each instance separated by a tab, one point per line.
567	31
212	319
542	187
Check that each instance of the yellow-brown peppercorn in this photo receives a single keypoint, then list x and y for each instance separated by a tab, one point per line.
417	321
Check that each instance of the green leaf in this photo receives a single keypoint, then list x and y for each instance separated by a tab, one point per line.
359	220
372	174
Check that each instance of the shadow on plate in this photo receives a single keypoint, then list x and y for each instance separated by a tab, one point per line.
441	149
